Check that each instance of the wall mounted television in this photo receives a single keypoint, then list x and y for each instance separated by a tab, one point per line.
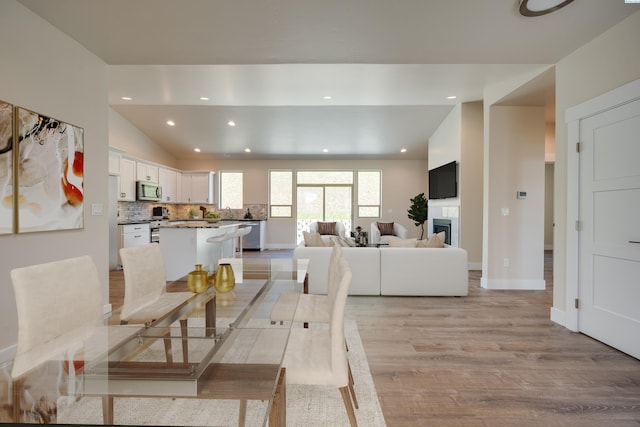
443	181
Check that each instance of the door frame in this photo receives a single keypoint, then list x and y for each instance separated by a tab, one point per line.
573	116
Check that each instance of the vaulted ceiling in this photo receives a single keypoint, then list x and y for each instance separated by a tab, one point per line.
268	66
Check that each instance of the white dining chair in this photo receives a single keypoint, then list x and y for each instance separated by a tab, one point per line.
318	356
145	295
60	311
219	254
238	237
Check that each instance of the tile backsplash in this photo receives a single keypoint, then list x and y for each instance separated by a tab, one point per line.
143	210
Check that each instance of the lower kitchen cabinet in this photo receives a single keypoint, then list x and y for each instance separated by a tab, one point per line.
132	235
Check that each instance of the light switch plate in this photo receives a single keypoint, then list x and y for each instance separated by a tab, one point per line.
97	209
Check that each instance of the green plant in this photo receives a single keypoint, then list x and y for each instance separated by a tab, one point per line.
418	211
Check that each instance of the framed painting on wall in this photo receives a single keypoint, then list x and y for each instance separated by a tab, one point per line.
50	173
7	209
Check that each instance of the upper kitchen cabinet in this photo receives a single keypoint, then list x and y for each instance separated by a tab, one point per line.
127	180
197	187
171	183
147	172
114	162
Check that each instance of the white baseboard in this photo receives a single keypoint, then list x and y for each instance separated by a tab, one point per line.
279	246
513	284
8	353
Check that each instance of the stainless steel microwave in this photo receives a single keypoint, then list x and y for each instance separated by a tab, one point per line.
148	191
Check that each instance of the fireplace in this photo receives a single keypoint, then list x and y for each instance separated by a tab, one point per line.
440	224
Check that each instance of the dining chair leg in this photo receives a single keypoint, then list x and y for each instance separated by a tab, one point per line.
185	342
348	406
351	389
107	410
243	413
168	350
16	386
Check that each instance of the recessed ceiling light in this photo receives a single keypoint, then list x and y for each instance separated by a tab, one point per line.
451	97
231	123
541	7
126	98
325	150
327	97
247	150
204	98
404	150
171	123
197	150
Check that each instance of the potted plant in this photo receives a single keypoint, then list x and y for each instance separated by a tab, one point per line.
418	212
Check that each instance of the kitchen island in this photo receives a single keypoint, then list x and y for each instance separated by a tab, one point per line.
184	244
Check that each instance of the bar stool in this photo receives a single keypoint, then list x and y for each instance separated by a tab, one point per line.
219	240
239	234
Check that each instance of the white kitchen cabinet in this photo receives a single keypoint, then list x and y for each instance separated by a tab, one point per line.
127	180
147	172
114	163
168	180
197	187
133	235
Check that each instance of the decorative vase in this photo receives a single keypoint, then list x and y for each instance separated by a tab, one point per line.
225	280
198	280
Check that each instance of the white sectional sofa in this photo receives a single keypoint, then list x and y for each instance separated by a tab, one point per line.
393	271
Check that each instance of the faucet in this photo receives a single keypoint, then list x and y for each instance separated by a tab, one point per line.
228	209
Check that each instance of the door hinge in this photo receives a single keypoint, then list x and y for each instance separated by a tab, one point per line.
577	303
578	225
577	147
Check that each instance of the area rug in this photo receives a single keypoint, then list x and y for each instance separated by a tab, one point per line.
306	405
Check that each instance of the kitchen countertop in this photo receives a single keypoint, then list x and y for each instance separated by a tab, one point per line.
169	221
199	224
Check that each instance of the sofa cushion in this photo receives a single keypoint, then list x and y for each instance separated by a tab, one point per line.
435	241
313	239
402	243
386	228
327	228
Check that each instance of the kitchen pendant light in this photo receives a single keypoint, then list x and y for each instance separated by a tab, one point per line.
541	7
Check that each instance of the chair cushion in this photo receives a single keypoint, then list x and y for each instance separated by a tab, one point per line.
386	228
402	243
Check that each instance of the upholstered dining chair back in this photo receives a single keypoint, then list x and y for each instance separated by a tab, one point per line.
145	278
57	302
340	229
334	264
339	361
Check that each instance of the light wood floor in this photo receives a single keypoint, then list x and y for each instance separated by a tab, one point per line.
492	358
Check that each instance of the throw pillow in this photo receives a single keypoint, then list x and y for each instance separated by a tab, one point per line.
435	241
402	243
327	228
342	241
386	228
312	239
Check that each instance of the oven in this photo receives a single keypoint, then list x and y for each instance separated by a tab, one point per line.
154	227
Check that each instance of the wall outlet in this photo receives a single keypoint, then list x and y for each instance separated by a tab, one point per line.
506	262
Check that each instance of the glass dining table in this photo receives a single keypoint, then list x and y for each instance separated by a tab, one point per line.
226	350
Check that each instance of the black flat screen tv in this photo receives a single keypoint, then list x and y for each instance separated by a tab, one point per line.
443	181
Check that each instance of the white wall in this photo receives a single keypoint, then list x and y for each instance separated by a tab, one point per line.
514	239
47	72
127	138
609	61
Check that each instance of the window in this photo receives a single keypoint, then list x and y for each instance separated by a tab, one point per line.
369	194
281	193
230	190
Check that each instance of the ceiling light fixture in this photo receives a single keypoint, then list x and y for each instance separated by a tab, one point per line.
197	150
247	150
327	97
231	123
404	150
204	98
126	98
451	97
325	150
171	123
541	7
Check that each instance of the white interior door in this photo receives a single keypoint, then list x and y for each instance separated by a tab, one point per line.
609	260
